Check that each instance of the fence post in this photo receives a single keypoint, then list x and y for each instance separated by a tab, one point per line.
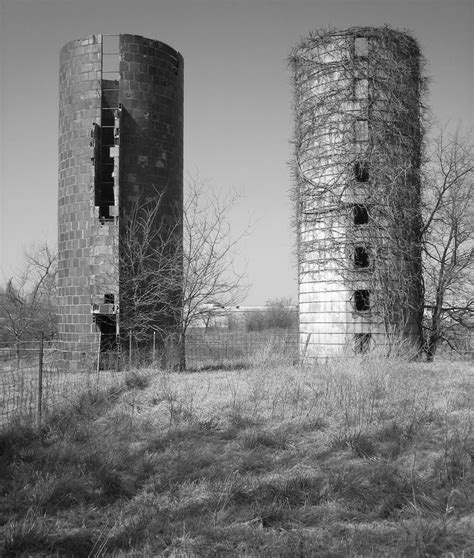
154	346
98	353
303	356
119	352
40	380
129	349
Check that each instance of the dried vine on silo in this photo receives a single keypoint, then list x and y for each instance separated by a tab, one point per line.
378	94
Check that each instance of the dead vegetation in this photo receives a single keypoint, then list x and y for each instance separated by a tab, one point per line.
358	457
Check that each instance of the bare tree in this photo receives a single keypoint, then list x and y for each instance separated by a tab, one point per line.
210	274
148	270
28	302
448	240
171	271
279	313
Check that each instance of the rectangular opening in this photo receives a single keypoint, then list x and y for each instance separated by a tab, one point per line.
361	171
362	342
361	47
108	341
110	63
360	214
362	300
361	257
117	114
361	130
110	44
109	298
361	89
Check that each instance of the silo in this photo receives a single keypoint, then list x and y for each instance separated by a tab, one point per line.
358	134
120	154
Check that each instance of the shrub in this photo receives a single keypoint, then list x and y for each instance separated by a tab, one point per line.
279	314
137	380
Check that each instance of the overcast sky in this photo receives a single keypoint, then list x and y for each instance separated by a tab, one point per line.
238	118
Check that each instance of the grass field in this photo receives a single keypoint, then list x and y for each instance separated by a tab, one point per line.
366	457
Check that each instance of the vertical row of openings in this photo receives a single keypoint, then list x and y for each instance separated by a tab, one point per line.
105	191
362	341
107	183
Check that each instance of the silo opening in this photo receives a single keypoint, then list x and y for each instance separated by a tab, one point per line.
362	342
108	349
361	257
361	171
361	47
360	214
360	89
362	300
361	130
106	197
110	44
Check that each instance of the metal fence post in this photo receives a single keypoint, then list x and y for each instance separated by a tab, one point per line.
40	379
98	353
303	356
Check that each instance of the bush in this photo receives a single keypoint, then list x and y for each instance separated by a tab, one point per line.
279	314
136	380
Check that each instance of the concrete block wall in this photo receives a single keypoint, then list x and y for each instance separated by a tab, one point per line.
79	107
151	146
148	165
151	93
334	102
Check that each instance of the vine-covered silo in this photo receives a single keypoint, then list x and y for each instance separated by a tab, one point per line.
358	142
120	153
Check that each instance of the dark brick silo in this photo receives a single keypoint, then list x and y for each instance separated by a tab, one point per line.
120	149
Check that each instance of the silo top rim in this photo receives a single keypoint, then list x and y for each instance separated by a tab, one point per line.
326	35
97	39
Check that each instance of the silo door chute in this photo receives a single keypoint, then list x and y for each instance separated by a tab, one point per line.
108	352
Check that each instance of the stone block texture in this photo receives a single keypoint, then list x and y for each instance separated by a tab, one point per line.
138	88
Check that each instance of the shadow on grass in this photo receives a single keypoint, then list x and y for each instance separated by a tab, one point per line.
223	367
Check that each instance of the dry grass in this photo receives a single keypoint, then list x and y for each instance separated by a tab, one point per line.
19	388
357	457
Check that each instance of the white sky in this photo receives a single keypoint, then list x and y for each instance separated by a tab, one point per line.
238	97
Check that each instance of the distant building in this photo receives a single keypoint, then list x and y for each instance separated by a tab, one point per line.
215	316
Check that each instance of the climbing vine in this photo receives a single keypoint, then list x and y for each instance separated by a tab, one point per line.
358	144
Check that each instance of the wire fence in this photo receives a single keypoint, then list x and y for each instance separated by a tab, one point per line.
35	378
221	348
